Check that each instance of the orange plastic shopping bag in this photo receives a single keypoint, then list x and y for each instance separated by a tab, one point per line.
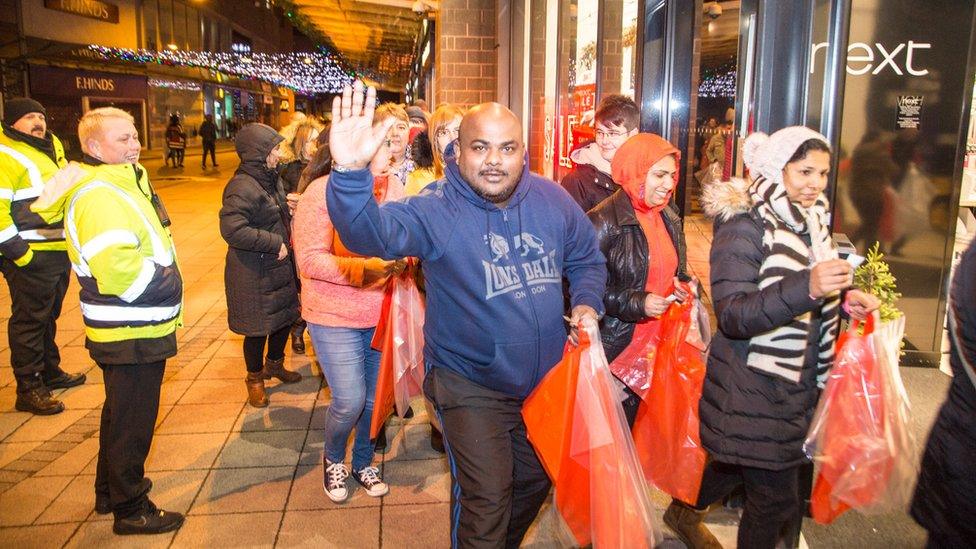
576	424
400	339
860	433
666	431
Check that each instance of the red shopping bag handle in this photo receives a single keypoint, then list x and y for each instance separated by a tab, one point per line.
868	325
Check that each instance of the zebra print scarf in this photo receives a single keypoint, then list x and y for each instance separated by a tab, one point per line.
781	351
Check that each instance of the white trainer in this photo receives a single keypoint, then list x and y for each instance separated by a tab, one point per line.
335	481
369	477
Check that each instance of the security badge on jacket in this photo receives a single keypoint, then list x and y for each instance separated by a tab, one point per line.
528	266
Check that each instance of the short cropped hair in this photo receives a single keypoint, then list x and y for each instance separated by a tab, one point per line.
387	110
90	125
618	110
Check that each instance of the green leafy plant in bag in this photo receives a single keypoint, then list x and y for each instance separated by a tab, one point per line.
874	277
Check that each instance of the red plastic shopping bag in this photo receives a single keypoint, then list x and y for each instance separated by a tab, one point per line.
399	337
635	365
666	431
576	424
860	435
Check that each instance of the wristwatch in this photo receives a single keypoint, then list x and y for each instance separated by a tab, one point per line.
336	167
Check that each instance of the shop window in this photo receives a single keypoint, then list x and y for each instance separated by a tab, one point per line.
179	25
150	24
192	29
541	53
165	23
577	78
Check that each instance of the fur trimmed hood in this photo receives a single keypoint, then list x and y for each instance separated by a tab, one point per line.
726	199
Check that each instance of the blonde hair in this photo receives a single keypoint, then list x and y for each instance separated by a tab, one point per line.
296	134
444	115
90	125
387	110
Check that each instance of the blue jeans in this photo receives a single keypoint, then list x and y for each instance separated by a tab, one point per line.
350	365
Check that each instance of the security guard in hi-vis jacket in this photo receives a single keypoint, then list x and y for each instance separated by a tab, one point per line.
34	260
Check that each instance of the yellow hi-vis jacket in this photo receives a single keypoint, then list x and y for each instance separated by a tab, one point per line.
23	172
131	287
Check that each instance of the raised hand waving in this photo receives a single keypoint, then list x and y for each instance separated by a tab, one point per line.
353	140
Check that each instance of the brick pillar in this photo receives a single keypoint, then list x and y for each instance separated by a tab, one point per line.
466	68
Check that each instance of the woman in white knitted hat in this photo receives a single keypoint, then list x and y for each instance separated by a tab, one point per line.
779	289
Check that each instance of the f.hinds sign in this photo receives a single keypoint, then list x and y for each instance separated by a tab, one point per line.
65	82
93	9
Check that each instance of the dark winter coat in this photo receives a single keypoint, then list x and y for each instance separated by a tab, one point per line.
262	295
748	417
208	132
945	498
291	173
623	243
586	184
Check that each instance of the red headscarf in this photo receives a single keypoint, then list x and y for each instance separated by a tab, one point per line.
634	159
629	169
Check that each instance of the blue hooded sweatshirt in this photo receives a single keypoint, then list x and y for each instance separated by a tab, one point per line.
493	275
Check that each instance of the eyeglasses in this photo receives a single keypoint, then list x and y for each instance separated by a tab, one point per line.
610	135
448	131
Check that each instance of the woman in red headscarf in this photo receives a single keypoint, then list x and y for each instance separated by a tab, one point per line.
641	237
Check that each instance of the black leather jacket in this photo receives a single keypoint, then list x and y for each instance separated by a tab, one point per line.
623	243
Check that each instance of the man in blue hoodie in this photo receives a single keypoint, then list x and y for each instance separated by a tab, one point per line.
495	241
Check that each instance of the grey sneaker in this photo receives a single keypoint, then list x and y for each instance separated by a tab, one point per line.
369	477
335	481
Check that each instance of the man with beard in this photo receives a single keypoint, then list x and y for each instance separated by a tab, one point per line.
131	301
34	260
495	242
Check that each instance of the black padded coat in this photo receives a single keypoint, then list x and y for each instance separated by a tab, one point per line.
748	417
262	294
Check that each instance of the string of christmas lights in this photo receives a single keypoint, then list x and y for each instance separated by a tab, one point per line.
718	85
181	85
303	72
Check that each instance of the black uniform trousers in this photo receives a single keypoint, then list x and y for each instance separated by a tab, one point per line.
128	419
497	481
36	294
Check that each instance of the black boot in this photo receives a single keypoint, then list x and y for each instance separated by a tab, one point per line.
34	397
298	338
150	520
62	380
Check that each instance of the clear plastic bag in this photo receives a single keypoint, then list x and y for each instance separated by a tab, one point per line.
400	339
577	427
861	433
635	365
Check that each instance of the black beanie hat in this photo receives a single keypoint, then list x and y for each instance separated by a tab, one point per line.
14	109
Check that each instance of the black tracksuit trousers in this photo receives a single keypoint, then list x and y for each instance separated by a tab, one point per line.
497	481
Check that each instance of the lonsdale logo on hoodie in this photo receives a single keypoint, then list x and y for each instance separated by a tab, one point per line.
538	267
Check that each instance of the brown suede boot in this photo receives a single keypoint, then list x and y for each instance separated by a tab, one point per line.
255	390
276	368
688	524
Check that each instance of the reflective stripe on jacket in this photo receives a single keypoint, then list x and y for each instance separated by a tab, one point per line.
23	172
131	287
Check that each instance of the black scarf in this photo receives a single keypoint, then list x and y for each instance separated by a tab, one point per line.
44	144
